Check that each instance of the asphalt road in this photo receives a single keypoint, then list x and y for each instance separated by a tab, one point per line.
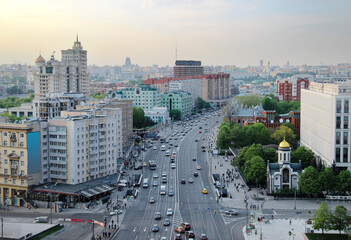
189	204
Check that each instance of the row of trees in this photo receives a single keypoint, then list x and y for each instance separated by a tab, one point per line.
201	104
326	220
98	95
140	120
269	102
252	161
15	101
329	181
233	135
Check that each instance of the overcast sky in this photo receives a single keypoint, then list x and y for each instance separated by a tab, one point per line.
217	32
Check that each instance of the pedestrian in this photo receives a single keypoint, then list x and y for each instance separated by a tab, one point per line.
115	226
272	217
109	234
109	227
290	221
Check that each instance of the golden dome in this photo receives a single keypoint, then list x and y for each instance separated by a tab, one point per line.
39	59
284	144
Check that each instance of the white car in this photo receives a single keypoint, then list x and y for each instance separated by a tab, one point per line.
154	148
168	153
155	175
115	212
169	212
173	166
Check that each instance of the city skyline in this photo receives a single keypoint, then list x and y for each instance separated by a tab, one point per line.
216	32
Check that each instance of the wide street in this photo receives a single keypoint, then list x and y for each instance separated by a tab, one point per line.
188	204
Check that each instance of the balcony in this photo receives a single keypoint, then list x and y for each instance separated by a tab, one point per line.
58	169
58	162
59	176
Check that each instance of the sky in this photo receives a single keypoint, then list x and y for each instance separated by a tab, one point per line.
217	32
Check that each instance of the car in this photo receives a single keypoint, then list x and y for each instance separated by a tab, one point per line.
164	174
190	234
196	174
178	237
196	140
179	229
166	222
198	167
172	157
204	150
183	181
155	175
155	228
144	164
186	226
115	212
152	200
168	154
155	184
164	180
191	180
163	238
157	216
137	167
173	165
231	212
204	191
203	237
154	148
170	192
194	159
169	212
176	145
200	132
174	153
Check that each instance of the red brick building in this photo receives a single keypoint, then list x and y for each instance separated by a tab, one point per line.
290	89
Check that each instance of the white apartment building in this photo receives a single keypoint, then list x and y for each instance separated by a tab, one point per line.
159	114
81	145
325	122
68	75
193	86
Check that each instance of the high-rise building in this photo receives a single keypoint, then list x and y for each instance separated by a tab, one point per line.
128	62
19	161
177	100
290	89
82	145
65	76
325	122
261	63
185	68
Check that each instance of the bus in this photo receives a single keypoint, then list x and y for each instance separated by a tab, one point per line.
152	165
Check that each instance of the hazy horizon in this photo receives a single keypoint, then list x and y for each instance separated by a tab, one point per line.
222	32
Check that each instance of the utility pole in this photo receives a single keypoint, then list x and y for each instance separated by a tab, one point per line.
295	198
117	213
247	214
93	237
2	228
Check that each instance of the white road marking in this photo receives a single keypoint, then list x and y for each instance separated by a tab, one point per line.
134	229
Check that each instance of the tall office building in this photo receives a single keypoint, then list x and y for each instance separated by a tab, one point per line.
65	76
325	122
185	68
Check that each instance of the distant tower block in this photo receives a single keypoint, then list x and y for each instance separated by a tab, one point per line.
261	63
128	62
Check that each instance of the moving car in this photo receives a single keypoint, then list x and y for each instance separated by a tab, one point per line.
179	229
154	148
183	181
168	153
198	167
157	216
155	228
169	212
155	175
164	180
173	166
170	192
186	226
115	212
203	237
152	200
164	174
231	212
166	222
155	184
191	180
196	174
194	159
178	237
204	191
190	234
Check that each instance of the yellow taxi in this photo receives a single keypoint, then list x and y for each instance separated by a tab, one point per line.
204	191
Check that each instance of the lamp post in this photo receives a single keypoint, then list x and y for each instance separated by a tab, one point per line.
247	214
50	202
295	198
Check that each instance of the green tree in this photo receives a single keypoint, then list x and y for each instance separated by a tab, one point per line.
248	100
323	218
175	114
138	117
284	131
148	122
256	170
306	156
344	182
327	180
258	133
309	181
340	219
248	152
270	154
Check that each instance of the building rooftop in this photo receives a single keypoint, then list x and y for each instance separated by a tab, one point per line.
187	63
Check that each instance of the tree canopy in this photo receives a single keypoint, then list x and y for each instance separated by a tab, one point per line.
340	219
248	100
200	104
284	132
175	114
323	218
255	170
269	102
306	156
15	101
308	182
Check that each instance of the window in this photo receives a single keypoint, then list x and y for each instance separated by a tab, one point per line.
6	171
337	154
5	152
338	122
338	106
346	138
345	155
5	134
346	106
22	182
5	180
14	181
5	143
346	122
22	163
5	162
21	144
21	135
337	138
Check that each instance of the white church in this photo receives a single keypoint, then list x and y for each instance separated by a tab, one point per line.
283	174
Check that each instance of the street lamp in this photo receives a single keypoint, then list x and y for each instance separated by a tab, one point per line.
53	185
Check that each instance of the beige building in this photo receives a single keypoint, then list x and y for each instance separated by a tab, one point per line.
19	161
216	88
325	122
127	114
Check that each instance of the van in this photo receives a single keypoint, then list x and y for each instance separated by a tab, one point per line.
163	190
145	183
44	219
163	148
